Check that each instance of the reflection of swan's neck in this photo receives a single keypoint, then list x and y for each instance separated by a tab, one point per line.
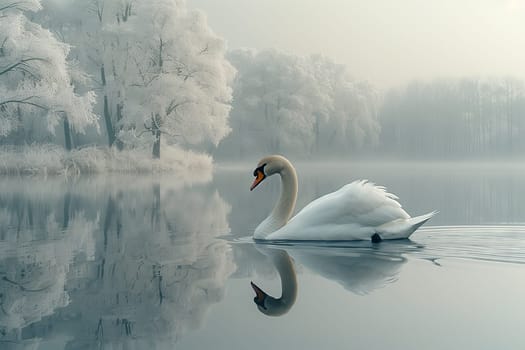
280	306
285	206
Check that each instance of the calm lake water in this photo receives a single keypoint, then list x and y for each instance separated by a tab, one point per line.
162	263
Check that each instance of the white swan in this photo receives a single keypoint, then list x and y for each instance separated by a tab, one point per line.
357	211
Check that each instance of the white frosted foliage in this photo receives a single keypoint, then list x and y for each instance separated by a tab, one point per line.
35	76
179	80
287	103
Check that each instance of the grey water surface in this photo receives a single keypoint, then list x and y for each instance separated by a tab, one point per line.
127	262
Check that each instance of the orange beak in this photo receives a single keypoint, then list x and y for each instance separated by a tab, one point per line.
259	294
258	179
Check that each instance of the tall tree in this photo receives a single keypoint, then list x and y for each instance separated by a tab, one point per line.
180	80
35	75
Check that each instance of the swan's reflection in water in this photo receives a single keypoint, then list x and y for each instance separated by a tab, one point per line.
359	267
272	306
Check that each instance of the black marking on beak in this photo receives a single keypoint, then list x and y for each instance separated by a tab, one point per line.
261	169
259	176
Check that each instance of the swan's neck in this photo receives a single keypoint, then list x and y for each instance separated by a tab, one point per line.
285	206
284	265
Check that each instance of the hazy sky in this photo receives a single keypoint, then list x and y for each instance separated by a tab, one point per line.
387	42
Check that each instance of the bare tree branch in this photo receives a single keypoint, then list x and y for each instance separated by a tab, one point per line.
169	134
173	106
203	51
24	102
146	81
161	131
149	128
13	5
143	132
22	288
2	52
156	121
21	63
97	7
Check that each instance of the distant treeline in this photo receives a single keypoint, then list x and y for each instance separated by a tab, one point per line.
441	119
454	118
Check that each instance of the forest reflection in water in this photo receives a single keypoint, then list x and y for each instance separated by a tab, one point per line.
108	262
136	261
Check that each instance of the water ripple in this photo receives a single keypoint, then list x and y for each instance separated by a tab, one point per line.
499	243
496	243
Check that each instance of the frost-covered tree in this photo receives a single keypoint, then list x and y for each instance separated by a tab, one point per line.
91	27
156	65
180	80
36	78
277	100
353	123
301	105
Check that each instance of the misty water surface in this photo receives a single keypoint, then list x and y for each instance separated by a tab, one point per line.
153	262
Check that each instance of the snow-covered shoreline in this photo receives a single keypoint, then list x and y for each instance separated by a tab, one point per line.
52	160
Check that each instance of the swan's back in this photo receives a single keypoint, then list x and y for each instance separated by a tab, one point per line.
351	212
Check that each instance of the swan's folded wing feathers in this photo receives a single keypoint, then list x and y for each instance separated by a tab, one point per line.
370	204
360	202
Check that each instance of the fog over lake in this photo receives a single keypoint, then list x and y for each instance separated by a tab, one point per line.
138	139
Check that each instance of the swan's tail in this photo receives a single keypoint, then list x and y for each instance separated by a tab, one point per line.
403	228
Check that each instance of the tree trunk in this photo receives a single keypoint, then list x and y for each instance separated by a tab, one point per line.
109	124
19	133
119	143
107	115
67	134
110	210
316	134
67	210
156	144
155	210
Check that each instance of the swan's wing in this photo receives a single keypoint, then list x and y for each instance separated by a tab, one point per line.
359	203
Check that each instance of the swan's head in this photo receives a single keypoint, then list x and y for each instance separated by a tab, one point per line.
260	298
269	166
269	305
